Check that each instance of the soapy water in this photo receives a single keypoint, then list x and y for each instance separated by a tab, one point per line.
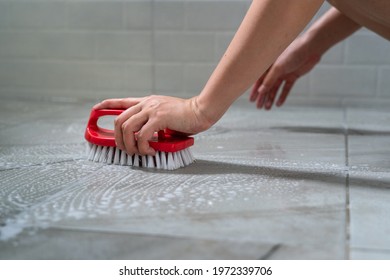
46	195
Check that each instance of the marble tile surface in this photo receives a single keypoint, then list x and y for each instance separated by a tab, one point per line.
293	183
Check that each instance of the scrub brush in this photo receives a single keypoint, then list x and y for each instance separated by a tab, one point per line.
172	148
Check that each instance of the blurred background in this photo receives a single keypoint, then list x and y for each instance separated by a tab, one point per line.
89	50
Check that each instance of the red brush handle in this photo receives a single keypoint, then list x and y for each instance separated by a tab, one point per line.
97	135
167	141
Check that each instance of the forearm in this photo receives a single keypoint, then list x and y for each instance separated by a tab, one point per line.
330	29
267	29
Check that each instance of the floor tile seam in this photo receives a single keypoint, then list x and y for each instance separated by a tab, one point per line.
347	187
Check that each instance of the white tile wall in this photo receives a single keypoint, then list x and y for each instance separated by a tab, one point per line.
105	48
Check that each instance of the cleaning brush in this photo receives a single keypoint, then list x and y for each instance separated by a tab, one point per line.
172	149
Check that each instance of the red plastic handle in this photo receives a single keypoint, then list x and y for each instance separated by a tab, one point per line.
166	141
97	135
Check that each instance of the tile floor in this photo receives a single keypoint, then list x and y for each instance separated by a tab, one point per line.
301	182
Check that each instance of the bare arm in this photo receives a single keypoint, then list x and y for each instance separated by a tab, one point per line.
267	29
300	57
330	29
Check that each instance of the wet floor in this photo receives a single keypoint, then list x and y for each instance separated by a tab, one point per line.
300	182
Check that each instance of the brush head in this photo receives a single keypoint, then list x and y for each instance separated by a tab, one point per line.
172	148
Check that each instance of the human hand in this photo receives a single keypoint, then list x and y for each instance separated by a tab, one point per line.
293	63
151	114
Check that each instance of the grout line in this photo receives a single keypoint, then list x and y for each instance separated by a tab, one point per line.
347	188
271	251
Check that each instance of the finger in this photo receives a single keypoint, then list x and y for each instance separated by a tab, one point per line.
118	103
144	135
286	90
129	128
263	91
255	88
272	77
272	94
119	122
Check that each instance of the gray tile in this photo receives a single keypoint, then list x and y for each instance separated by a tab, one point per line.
71	244
19	44
42	123
325	80
184	46
45	15
369	207
368	120
196	76
169	77
169	15
221	15
275	183
369	152
138	78
23	188
292	231
135	46
95	15
368	254
67	45
4	6
138	15
367	49
384	82
335	55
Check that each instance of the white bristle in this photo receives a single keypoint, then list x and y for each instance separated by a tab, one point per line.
110	155
170	162
158	160
161	160
117	156
92	152
136	160
177	160
180	159
97	153
150	160
123	158
143	161
103	155
164	160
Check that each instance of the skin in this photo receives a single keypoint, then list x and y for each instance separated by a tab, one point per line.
264	47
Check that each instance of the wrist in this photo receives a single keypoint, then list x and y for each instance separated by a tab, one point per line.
204	113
